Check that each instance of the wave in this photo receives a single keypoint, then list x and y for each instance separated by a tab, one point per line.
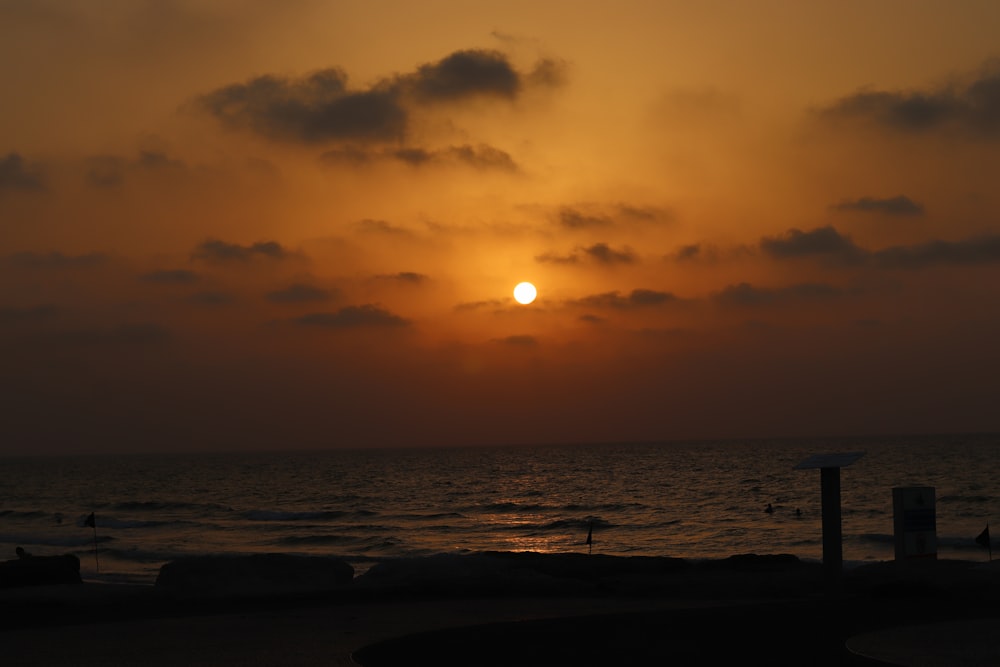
161	506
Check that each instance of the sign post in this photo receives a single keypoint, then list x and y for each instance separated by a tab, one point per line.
829	467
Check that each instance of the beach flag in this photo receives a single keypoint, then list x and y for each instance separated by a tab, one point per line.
983	539
92	522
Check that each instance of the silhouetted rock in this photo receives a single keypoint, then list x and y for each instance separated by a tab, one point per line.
257	574
40	571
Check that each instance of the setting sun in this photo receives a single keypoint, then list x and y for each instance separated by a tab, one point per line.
525	293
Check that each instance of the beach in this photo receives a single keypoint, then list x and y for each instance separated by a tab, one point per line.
529	609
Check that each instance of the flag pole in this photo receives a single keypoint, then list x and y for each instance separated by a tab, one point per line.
590	538
92	522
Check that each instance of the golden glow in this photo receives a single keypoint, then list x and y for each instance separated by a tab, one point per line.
525	293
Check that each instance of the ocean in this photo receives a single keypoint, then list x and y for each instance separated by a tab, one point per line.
681	499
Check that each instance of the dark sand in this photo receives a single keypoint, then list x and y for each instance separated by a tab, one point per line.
743	613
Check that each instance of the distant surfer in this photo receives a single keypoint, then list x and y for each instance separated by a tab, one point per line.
769	509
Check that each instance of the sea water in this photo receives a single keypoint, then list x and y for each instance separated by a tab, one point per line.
680	499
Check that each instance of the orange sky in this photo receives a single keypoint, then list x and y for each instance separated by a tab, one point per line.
285	225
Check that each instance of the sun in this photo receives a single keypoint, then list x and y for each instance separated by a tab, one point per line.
525	293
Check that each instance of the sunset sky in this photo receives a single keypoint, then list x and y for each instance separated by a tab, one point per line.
252	224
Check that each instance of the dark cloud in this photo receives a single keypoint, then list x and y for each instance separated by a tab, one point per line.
171	277
688	253
464	74
825	242
600	253
591	319
973	251
215	250
321	107
27	315
572	218
405	277
745	294
299	293
349	317
973	107
899	205
552	258
604	254
16	174
55	260
482	156
315	108
637	298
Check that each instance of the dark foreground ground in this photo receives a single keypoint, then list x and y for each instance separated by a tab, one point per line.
526	609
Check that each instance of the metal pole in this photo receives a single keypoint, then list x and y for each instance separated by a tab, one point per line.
833	558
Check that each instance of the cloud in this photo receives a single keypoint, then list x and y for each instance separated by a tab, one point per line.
900	205
16	174
637	298
315	108
477	305
171	277
688	253
549	73
967	252
572	218
405	277
349	317
464	74
973	107
55	260
604	254
745	294
320	107
370	226
215	250
824	242
600	253
481	156
299	293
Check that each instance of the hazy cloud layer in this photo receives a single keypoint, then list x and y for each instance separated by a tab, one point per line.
745	294
349	317
973	251
973	106
221	251
899	205
637	298
405	277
